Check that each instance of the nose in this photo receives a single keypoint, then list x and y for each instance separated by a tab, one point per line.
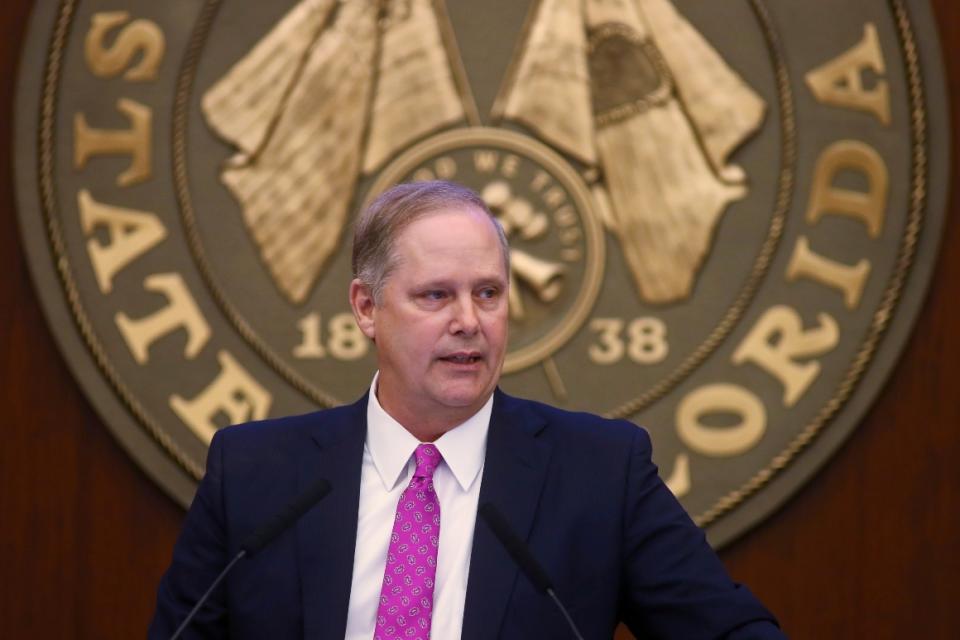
465	320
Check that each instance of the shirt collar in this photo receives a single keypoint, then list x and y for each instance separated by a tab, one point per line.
391	446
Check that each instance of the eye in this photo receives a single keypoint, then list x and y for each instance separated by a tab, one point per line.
488	293
434	294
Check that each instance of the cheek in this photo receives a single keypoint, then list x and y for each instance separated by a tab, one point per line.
496	327
419	344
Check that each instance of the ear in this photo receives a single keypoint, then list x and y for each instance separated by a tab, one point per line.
362	304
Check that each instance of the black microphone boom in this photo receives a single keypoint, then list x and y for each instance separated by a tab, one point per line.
520	553
515	547
262	537
290	514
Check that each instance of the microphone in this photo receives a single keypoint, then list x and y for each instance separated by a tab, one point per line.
520	553
290	514
261	537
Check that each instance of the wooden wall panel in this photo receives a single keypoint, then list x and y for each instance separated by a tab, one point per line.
869	549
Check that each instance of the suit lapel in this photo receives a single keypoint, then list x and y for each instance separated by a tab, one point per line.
326	535
514	472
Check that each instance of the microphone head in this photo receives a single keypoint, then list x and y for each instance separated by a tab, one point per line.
516	547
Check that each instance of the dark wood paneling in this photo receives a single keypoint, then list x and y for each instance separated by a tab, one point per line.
869	549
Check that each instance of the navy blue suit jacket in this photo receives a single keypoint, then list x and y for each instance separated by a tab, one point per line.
581	490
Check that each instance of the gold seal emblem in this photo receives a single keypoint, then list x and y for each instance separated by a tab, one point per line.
714	209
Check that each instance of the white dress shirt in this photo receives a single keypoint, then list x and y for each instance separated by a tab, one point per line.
388	466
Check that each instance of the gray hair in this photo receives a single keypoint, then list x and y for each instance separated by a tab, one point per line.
379	225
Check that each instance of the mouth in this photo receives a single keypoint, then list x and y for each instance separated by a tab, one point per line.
462	357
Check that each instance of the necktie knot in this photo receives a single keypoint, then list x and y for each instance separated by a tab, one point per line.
428	459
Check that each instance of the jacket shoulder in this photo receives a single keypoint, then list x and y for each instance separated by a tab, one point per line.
577	425
277	436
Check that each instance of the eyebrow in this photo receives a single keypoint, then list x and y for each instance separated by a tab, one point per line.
482	281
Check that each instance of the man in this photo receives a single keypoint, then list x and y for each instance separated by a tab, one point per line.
396	549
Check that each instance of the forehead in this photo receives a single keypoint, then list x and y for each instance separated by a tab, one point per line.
465	235
453	215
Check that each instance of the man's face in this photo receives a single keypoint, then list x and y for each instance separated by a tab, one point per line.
441	326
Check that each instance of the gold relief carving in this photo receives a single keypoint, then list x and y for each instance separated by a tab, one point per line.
246	103
778	340
650	102
628	74
233	394
550	89
825	197
724	111
646	341
444	168
135	142
141	38
415	93
516	214
609	347
344	340
848	279
385	81
295	179
721	400
131	233
665	196
839	82
543	277
181	312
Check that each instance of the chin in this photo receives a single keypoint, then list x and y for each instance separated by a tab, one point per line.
459	401
462	399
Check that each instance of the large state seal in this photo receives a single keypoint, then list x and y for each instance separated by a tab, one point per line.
722	216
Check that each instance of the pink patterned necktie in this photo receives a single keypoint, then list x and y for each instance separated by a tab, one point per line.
406	598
